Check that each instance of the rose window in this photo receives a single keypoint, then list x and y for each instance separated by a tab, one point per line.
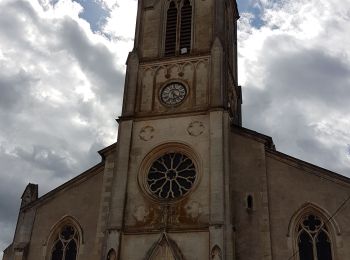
171	176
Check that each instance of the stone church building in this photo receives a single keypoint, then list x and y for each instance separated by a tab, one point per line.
185	180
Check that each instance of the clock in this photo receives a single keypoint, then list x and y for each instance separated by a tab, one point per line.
173	94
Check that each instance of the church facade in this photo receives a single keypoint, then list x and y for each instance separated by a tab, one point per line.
185	180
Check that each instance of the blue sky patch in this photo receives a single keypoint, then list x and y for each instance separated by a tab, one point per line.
94	13
251	6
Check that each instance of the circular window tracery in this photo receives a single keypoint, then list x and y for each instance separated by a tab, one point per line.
171	176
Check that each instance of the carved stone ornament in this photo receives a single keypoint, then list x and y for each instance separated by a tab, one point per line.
193	210
146	133
140	213
167	215
195	128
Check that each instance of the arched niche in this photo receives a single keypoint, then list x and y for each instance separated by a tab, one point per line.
216	253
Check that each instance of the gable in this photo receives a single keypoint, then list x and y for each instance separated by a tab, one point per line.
292	184
79	200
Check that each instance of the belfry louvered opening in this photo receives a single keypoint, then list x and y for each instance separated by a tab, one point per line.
178	34
171	30
186	27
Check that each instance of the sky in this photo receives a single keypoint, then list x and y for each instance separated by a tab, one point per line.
62	66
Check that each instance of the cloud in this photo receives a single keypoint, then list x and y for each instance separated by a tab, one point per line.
296	77
95	60
61	83
120	25
15	86
61	88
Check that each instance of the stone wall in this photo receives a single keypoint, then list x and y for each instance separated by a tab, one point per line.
80	202
248	178
153	22
296	187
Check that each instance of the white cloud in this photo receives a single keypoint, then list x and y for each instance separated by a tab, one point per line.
295	72
110	4
61	89
61	86
122	13
121	26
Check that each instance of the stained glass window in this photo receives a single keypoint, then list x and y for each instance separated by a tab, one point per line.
171	176
65	245
313	239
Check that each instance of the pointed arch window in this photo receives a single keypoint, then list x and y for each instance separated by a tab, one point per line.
65	245
178	33
313	239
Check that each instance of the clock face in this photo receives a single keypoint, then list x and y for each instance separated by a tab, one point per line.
173	94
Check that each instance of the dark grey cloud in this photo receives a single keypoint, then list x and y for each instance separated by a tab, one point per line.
301	87
305	73
13	180
19	21
59	94
61	90
95	59
45	158
15	89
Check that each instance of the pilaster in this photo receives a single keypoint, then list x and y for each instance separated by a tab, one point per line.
130	84
104	206
217	188
120	178
216	93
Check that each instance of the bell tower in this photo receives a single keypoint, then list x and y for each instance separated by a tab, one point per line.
170	192
190	43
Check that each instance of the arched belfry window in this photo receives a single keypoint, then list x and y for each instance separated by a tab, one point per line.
171	30
186	27
313	239
178	29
